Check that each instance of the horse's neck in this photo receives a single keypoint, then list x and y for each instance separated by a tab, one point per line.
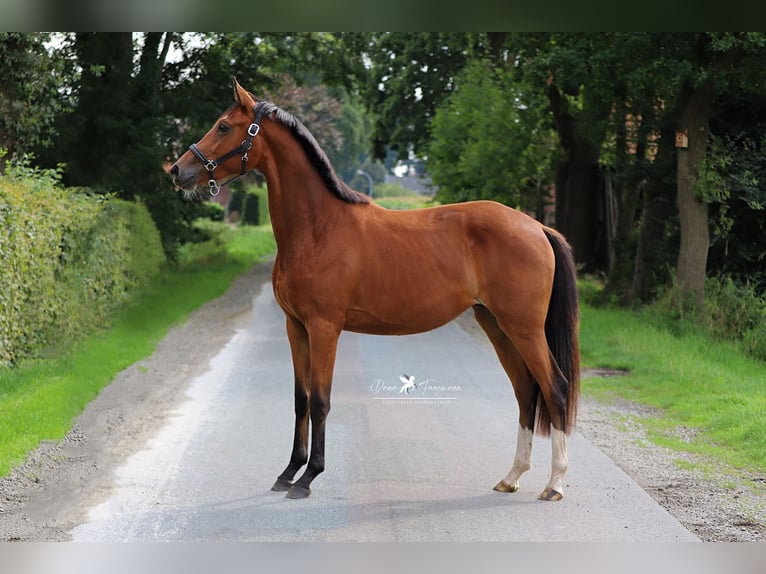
299	203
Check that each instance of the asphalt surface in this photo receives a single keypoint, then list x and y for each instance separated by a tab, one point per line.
418	467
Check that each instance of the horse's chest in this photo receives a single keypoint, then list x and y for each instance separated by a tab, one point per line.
282	293
300	294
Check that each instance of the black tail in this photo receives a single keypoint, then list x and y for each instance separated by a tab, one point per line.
562	332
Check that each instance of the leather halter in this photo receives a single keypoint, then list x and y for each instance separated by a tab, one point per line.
210	164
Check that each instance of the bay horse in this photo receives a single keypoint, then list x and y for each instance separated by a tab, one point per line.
345	263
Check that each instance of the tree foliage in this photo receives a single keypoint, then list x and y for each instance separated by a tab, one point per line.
29	93
504	116
616	101
491	140
410	75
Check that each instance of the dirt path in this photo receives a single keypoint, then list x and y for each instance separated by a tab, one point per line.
46	496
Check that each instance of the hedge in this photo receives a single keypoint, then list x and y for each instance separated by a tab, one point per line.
67	260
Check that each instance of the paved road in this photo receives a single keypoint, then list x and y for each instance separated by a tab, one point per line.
415	469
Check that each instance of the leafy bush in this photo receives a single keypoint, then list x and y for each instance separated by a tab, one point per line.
732	310
736	311
67	260
241	244
262	195
251	204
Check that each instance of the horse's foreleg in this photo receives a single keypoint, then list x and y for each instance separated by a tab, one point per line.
323	345
299	347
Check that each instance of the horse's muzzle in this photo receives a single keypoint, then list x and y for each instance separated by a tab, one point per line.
184	178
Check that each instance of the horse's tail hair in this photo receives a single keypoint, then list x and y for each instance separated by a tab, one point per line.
562	333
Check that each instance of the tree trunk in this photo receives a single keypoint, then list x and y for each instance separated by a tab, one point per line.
692	210
627	190
576	183
653	253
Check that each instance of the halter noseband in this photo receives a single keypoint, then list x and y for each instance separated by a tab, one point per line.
241	150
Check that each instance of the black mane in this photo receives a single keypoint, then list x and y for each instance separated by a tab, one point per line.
315	154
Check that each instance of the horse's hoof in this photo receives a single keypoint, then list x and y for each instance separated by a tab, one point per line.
503	486
281	485
297	492
550	495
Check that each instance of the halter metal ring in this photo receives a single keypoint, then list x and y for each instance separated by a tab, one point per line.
213	187
211	165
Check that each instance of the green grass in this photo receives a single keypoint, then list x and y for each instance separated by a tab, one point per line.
697	382
396	196
40	398
405	202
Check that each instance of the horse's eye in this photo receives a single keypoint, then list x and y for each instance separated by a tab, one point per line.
223	128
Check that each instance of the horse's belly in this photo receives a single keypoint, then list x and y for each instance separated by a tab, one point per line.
404	320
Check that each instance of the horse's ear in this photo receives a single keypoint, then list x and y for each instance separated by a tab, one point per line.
241	95
237	88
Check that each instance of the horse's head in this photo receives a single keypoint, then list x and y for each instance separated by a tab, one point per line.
227	151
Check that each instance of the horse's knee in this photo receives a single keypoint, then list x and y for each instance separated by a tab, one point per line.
320	406
301	403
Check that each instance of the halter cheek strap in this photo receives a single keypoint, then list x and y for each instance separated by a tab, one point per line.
244	147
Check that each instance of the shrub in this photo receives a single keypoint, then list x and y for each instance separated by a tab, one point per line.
241	244
735	310
261	192
732	310
67	260
251	209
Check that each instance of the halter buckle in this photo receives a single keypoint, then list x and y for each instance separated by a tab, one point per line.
253	130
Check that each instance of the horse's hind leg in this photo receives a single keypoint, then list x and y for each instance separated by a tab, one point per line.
299	347
526	391
553	387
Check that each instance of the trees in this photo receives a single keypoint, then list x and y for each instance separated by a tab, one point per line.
497	115
616	101
710	66
410	75
29	93
489	141
110	141
132	107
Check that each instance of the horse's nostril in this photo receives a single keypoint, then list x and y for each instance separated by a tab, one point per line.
174	170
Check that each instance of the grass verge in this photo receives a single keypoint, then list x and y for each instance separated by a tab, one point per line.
40	398
404	202
711	395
